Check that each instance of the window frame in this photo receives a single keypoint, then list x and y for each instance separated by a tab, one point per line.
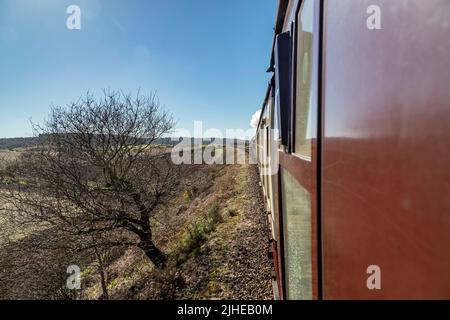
314	76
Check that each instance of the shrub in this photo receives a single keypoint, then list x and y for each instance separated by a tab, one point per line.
197	234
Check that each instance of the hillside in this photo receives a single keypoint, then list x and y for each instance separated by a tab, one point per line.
217	241
214	231
15	143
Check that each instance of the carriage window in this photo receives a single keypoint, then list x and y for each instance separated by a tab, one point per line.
303	125
296	210
276	117
283	74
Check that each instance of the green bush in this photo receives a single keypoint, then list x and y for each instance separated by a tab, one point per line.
197	234
214	215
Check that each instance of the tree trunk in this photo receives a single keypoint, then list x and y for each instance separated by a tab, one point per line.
103	280
102	272
156	256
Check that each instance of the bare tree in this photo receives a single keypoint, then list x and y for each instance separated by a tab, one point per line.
97	173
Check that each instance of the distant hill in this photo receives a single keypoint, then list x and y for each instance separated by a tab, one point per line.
14	143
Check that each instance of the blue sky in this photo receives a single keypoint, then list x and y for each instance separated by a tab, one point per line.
206	59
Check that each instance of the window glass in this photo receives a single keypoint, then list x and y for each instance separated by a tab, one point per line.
276	117
296	208
303	125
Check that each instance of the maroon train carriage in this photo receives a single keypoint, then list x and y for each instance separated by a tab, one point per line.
359	203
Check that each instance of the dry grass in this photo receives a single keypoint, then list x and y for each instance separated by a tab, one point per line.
9	155
200	228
